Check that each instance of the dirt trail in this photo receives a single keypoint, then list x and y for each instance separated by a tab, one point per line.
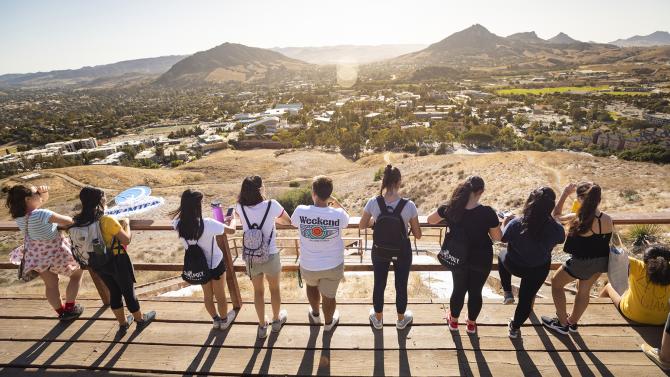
554	174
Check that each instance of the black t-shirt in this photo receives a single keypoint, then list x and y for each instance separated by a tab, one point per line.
477	222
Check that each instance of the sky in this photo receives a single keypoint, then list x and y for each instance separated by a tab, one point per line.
47	35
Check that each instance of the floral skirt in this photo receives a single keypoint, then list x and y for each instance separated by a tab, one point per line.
47	255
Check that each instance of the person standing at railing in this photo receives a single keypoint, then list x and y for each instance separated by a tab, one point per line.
117	273
45	251
322	250
193	229
392	215
530	240
254	209
481	227
588	243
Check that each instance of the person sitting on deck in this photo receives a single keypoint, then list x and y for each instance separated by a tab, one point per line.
322	249
588	244
191	226
646	299
530	240
253	209
392	215
118	274
45	251
481	227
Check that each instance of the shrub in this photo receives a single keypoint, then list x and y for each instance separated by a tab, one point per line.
630	195
643	233
294	184
293	198
379	174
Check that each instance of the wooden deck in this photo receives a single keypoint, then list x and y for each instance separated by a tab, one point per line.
182	342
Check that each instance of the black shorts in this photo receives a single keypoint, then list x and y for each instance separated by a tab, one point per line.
217	271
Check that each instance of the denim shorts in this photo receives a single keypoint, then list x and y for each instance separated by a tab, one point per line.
584	269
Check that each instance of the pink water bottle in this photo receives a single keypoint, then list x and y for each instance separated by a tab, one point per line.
217	211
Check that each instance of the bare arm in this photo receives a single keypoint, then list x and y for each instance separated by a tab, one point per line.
124	234
60	220
229	228
558	209
284	219
365	220
44	193
415	227
495	233
434	218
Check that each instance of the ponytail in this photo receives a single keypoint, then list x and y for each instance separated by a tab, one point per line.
391	178
455	207
590	194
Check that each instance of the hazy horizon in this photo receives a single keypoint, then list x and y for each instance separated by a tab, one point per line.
45	36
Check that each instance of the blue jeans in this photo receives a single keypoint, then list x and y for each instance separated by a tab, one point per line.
401	268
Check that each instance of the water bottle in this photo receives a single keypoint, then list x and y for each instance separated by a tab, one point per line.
217	211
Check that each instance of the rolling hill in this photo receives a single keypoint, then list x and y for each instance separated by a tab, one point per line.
348	53
659	38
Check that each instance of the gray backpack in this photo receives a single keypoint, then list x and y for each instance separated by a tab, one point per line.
254	247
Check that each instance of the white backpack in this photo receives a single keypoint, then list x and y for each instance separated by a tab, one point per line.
83	238
254	247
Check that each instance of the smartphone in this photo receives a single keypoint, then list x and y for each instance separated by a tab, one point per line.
504	214
229	212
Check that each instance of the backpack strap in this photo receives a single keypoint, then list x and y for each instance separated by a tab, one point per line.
246	218
401	205
265	216
382	205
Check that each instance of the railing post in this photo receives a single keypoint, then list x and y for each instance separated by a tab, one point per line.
100	286
231	276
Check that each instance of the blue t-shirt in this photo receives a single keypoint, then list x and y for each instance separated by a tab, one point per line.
524	250
39	227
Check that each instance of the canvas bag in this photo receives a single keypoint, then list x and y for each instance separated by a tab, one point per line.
454	253
196	271
617	268
88	245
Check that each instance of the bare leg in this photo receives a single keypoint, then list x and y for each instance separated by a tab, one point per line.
582	298
259	298
329	305
609	291
51	289
558	283
73	286
208	299
664	351
121	316
275	295
314	297
219	288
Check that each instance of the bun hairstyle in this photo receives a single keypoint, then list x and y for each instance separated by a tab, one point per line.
537	211
390	178
191	224
657	263
590	194
92	206
250	193
459	198
16	199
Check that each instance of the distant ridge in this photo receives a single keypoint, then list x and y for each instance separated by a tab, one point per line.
562	38
348	53
658	38
528	37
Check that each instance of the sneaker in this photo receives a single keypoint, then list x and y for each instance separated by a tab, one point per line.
508	299
470	327
335	321
652	353
378	324
281	320
400	325
71	314
555	325
147	318
452	323
263	331
573	327
129	321
511	331
314	319
226	322
216	322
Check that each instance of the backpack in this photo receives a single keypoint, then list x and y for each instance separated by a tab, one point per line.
254	247
196	271
88	246
454	252
389	237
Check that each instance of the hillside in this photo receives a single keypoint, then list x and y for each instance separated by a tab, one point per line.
232	62
107	74
347	53
562	38
659	38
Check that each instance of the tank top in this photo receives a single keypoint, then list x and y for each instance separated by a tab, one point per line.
596	245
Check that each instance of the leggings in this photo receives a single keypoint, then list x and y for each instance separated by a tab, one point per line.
401	271
532	279
470	281
120	288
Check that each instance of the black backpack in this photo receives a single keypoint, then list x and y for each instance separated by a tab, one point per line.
454	253
389	237
196	270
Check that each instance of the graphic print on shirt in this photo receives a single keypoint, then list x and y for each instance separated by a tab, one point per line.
318	229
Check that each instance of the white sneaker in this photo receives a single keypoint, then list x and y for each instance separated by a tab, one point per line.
281	320
336	319
376	323
216	323
400	325
314	320
263	331
226	322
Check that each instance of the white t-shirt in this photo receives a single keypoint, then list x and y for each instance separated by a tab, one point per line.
212	229
256	213
408	212
321	244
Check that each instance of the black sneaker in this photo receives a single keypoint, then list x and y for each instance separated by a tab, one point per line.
573	327
129	321
72	314
147	318
513	333
555	324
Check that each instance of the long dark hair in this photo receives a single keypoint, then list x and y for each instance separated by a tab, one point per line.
657	263
537	211
16	199
92	206
391	178
459	198
250	193
590	194
191	225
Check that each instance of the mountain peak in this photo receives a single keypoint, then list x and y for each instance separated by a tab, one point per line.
657	38
562	38
476	37
529	37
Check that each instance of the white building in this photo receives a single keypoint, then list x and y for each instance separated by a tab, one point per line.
270	123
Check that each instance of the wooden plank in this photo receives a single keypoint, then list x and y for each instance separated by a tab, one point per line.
231	279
